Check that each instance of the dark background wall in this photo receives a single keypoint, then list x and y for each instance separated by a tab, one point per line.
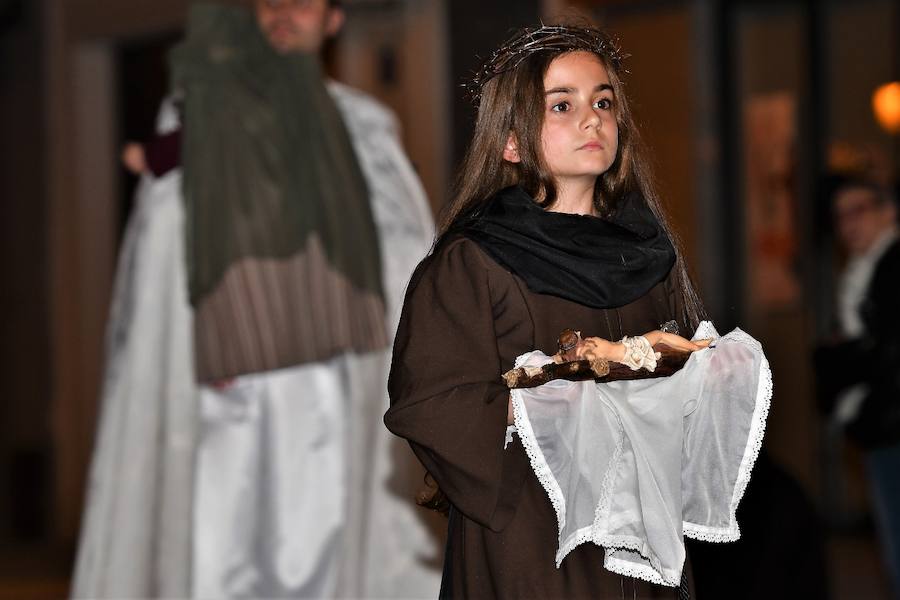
25	435
476	28
77	77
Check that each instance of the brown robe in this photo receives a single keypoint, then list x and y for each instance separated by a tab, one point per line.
465	321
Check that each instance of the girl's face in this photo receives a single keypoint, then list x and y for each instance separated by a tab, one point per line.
580	136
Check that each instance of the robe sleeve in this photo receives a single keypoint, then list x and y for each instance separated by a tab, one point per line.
447	395
163	152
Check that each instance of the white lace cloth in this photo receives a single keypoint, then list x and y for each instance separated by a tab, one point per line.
634	466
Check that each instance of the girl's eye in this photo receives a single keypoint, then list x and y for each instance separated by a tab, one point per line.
603	104
560	107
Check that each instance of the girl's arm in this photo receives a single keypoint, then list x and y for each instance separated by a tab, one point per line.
447	395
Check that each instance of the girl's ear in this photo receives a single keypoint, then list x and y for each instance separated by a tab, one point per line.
511	149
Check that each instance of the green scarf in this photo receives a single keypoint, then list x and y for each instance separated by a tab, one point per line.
267	158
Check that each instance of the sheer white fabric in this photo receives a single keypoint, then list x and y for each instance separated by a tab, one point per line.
634	466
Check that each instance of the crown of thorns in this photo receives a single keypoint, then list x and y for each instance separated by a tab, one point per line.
561	38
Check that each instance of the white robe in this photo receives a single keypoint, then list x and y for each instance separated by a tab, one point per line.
295	491
135	534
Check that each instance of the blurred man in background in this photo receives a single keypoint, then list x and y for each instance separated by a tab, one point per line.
240	452
861	374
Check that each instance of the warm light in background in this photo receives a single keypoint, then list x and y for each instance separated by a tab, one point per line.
886	104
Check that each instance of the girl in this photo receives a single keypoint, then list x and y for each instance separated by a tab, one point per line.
554	224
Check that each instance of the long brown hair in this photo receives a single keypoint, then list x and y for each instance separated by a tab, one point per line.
511	91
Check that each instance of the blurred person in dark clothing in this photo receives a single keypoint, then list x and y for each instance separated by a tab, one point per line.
859	375
781	552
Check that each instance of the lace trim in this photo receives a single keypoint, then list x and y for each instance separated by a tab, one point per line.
652	572
510	430
601	512
751	452
535	456
593	533
639	571
706	330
